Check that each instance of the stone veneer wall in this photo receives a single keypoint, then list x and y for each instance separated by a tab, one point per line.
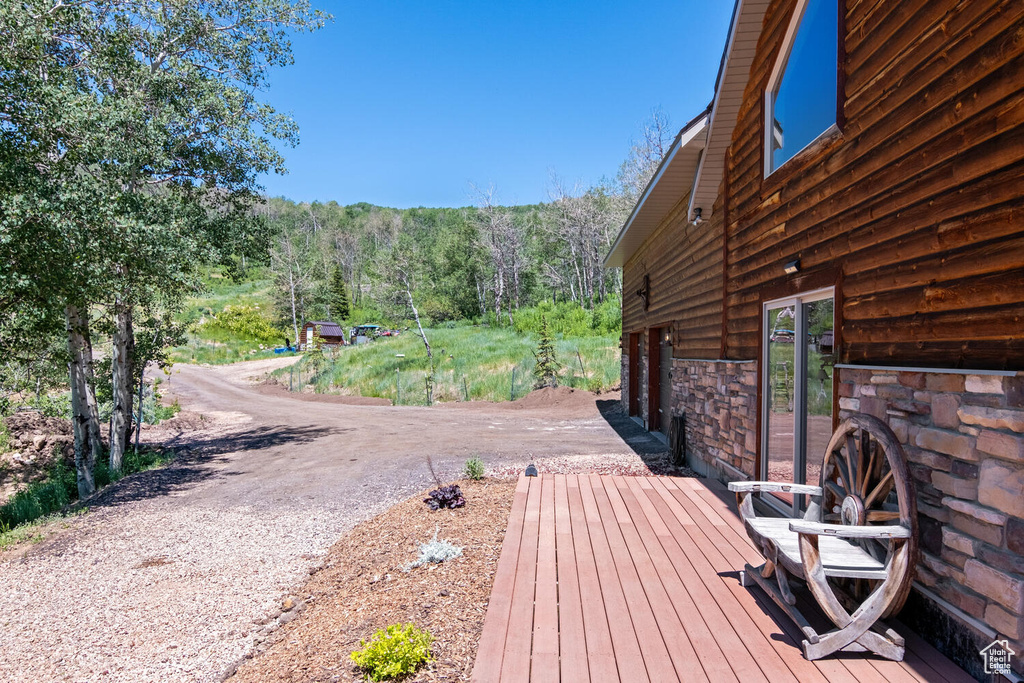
964	440
719	402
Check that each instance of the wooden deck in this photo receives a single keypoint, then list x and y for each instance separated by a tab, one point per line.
636	579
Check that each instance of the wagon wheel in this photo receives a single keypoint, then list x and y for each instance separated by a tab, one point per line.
865	482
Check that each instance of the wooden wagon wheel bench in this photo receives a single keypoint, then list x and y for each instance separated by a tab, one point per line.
855	547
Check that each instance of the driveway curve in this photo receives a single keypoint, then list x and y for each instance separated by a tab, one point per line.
176	574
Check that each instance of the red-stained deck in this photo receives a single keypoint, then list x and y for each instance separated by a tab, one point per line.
636	579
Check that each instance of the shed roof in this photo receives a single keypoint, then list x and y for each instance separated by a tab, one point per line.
326	328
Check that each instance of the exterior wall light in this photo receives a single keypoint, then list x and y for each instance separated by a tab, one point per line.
792	267
697	220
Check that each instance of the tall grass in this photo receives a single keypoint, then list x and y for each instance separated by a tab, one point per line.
474	363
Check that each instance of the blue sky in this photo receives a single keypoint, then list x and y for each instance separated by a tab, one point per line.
405	104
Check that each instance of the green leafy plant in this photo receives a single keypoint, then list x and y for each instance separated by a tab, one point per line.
393	652
474	469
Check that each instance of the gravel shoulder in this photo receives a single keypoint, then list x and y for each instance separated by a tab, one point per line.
177	574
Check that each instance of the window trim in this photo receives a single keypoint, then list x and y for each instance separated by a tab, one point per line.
799	361
776	75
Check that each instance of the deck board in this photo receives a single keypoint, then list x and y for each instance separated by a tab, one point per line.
607	578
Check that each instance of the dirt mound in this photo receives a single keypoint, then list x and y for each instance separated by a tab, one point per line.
554	397
34	443
274	389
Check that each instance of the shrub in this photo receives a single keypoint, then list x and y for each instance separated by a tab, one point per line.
393	652
246	322
546	370
445	497
435	552
52	405
474	469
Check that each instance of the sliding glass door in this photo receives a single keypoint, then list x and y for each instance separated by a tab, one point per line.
797	388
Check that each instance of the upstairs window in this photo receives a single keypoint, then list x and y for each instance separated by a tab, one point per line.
801	97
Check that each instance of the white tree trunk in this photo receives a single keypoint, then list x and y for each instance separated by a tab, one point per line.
416	314
85	417
121	369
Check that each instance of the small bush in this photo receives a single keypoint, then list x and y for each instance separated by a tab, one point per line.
445	497
474	469
246	322
52	405
435	552
393	652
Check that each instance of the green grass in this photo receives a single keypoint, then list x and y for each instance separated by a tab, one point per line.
480	363
33	532
247	337
60	489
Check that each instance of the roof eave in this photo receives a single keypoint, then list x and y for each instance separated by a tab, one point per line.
690	137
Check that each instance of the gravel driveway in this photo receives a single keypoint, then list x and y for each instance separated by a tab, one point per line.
176	574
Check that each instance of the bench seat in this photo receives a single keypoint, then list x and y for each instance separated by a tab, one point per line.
840	557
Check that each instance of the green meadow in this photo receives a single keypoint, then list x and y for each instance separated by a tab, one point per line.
475	363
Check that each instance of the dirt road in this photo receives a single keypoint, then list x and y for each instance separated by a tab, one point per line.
176	574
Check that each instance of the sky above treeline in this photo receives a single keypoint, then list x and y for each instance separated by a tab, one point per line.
407	104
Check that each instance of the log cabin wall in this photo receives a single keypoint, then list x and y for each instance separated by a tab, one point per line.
684	265
915	208
914	211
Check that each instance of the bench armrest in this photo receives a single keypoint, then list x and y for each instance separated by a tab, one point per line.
773	486
848	531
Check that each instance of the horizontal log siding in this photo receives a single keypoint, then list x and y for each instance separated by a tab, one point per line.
918	201
684	263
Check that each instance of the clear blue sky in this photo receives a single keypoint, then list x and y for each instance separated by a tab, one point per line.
404	104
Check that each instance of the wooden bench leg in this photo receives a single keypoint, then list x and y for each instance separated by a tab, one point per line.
854	630
756	574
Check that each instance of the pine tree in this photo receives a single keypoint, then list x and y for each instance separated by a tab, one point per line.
338	293
546	370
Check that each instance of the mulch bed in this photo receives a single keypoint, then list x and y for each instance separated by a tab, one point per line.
361	587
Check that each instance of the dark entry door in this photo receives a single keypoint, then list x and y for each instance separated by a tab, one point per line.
634	373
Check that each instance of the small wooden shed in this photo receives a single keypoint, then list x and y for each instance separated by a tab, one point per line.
328	333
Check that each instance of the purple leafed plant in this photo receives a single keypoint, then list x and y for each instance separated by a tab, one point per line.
445	497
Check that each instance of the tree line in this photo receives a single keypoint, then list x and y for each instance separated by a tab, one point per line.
482	261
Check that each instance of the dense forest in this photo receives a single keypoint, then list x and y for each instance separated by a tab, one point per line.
444	264
469	263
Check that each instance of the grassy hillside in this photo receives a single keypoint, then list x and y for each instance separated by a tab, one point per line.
230	322
482	363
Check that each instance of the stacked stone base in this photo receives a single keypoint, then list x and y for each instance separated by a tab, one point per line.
964	439
718	401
